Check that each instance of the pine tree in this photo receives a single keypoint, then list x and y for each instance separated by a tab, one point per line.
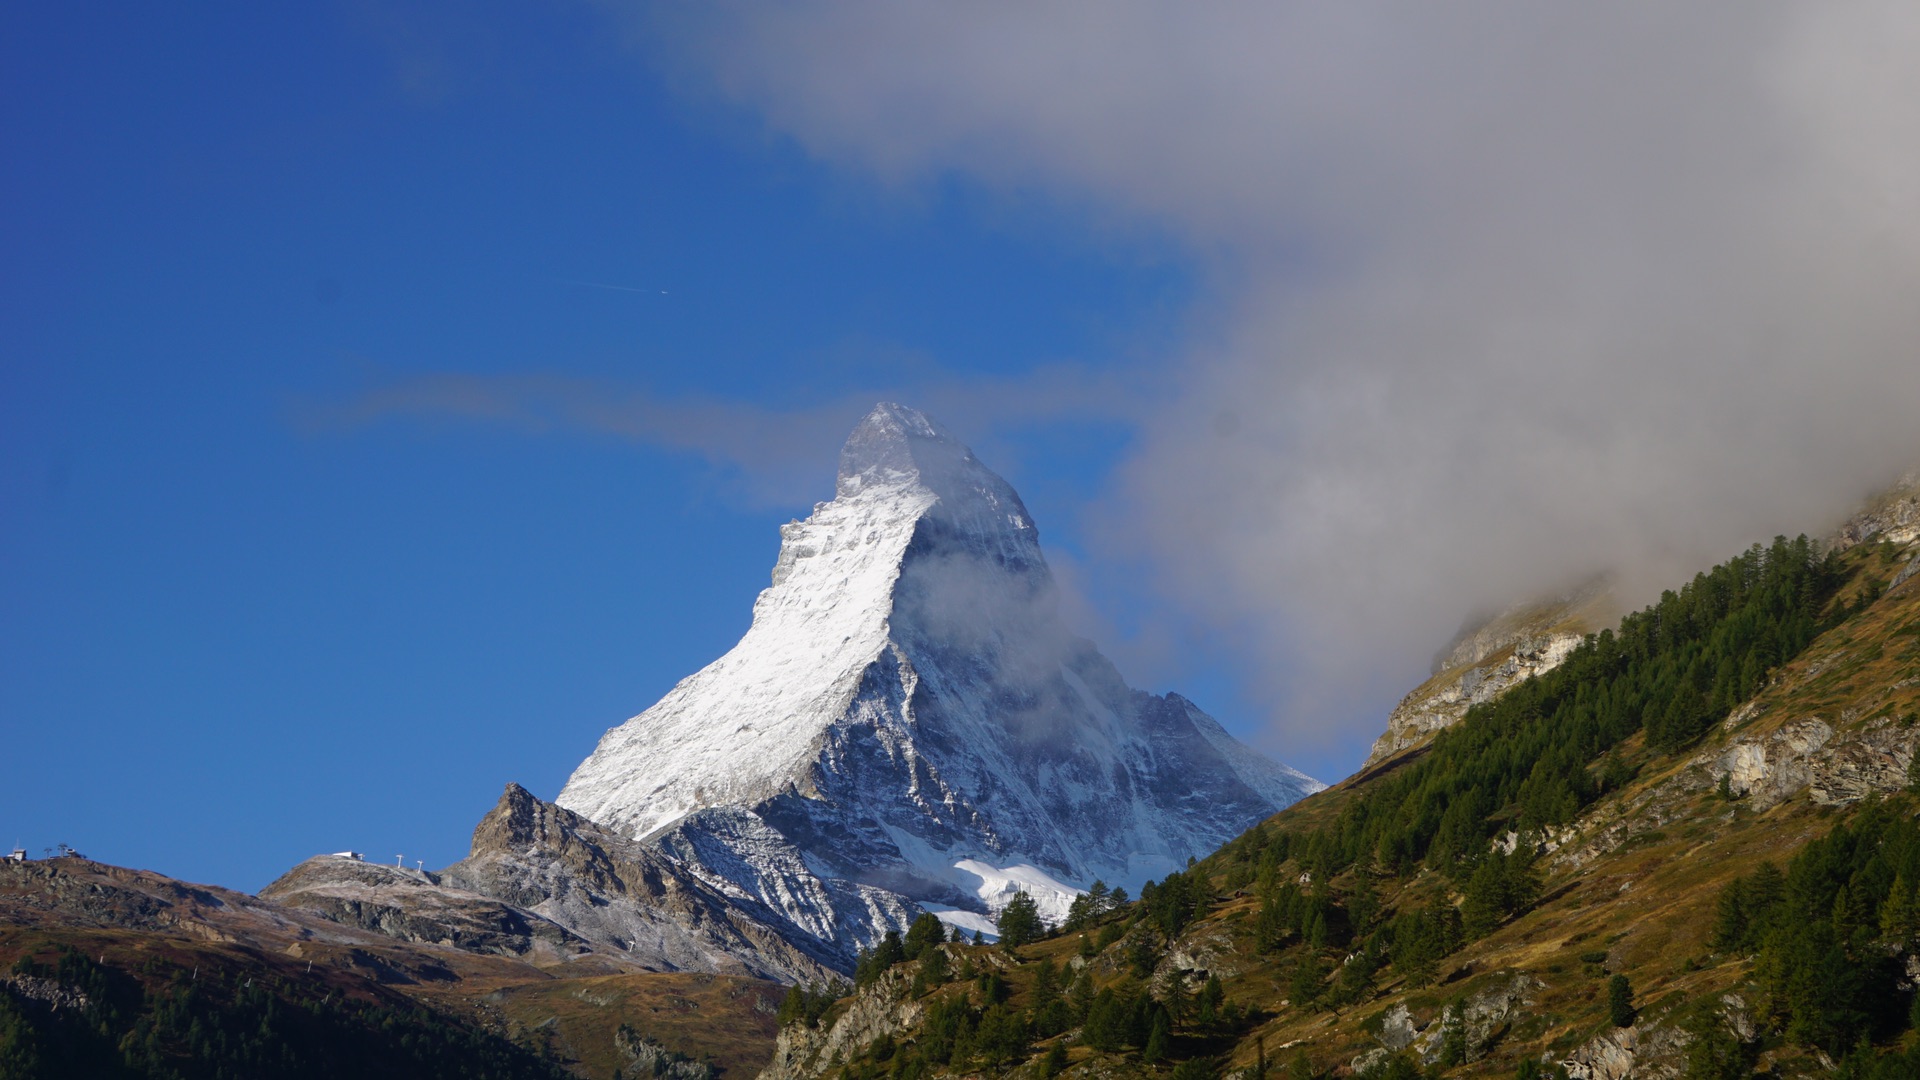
926	930
1308	981
1620	1001
1019	921
793	1007
1899	915
1714	1054
1046	985
1105	1027
1056	1060
1730	919
934	969
1159	1038
1079	913
1212	996
1175	998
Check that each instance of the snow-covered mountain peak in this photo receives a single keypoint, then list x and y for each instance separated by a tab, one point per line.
898	452
909	721
896	445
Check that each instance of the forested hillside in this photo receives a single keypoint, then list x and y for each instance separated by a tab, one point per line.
1688	850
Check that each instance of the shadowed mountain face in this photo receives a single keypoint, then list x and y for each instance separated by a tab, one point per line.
909	722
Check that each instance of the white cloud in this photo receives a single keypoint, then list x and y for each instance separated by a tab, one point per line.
1513	291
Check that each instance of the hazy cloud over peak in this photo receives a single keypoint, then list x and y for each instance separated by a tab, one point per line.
767	456
1518	291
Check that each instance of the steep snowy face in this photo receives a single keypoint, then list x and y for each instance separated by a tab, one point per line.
908	719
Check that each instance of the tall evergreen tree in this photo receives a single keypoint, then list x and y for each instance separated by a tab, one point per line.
1019	922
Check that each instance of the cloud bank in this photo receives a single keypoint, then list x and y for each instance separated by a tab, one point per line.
1511	292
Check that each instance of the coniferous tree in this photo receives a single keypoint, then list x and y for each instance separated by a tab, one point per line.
1175	998
1213	996
1019	922
1620	1001
1899	914
1106	1023
1055	1062
1307	982
926	930
1159	1038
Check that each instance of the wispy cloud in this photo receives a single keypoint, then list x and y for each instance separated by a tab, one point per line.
772	456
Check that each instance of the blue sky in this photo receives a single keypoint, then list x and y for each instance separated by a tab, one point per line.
240	627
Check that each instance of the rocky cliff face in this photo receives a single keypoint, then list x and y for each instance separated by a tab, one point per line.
1893	515
1485	660
544	885
908	723
420	907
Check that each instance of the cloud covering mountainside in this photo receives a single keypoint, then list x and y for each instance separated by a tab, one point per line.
1502	294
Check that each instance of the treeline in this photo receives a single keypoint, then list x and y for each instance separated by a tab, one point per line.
174	1024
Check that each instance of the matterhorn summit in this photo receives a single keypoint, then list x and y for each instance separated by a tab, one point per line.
908	724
